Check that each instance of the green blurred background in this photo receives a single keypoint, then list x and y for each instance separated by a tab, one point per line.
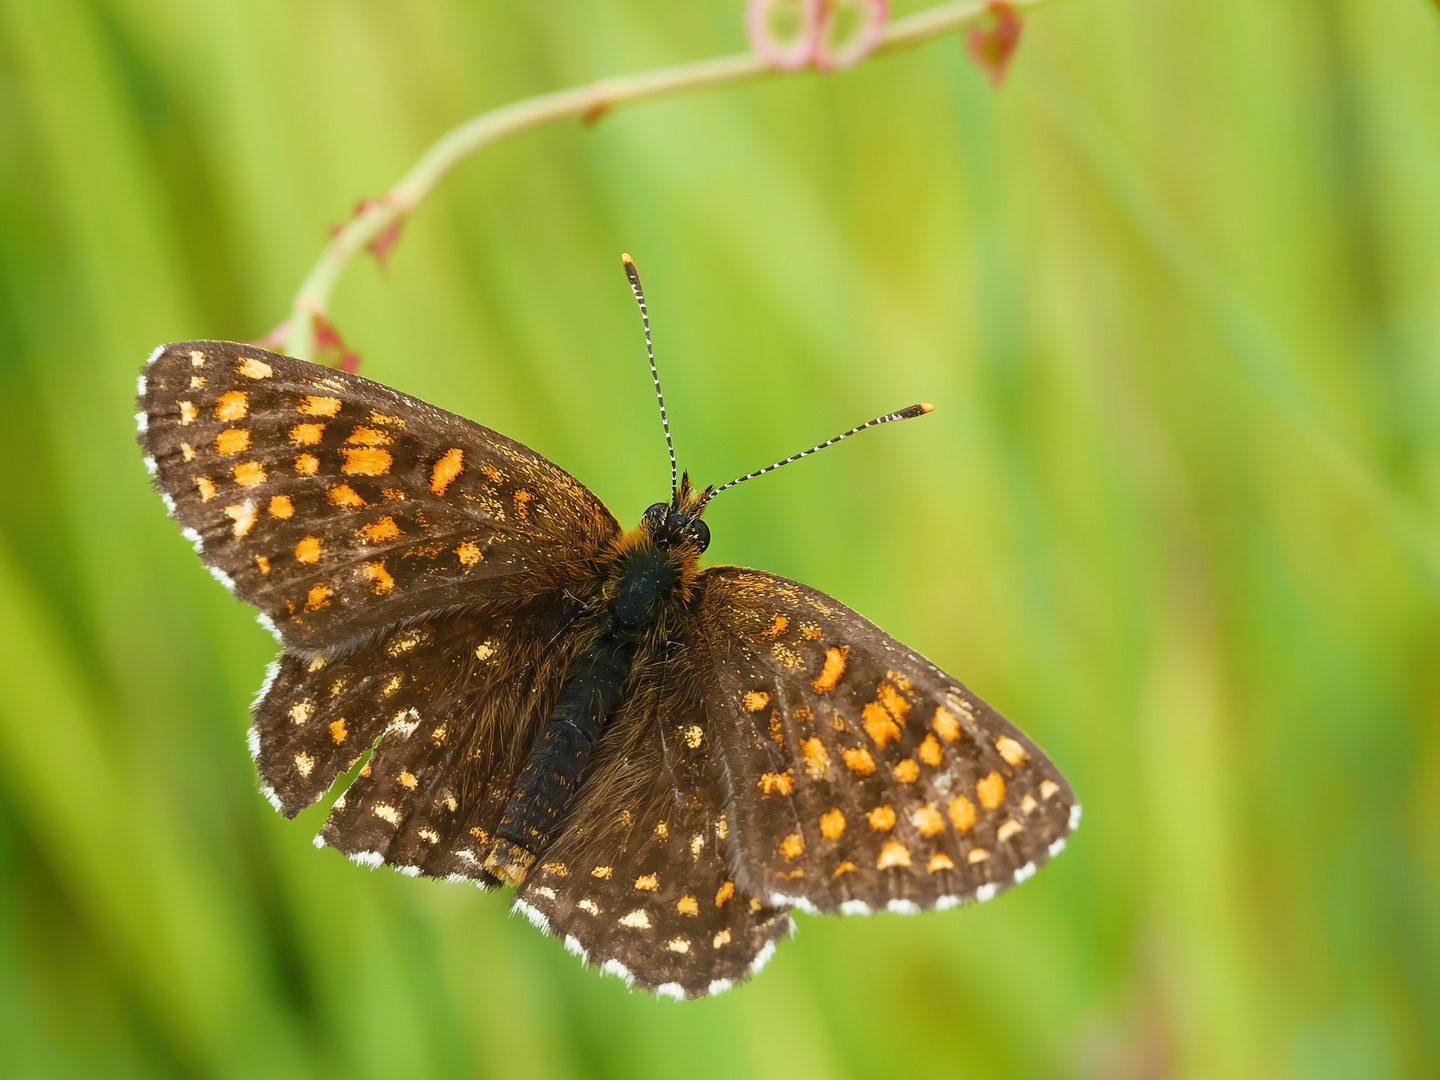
1175	291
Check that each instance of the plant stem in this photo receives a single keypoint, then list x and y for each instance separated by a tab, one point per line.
590	101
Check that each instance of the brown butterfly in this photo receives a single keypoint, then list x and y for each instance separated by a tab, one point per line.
664	760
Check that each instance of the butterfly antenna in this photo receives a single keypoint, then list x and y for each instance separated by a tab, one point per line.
904	414
634	276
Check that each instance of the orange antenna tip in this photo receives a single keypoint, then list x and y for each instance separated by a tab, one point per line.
925	406
626	259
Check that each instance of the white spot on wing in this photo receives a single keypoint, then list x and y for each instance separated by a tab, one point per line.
140	379
150	466
269	624
781	900
222	577
1057	847
619	970
903	907
536	917
573	946
196	541
764	958
154	355
408	871
271	670
945	903
854	907
318	841
271	797
142	422
986	892
404	723
252	740
169	503
719	986
673	990
1025	873
371	859
1074	817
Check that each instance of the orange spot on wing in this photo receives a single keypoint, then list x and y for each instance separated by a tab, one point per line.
832	824
346	496
817	761
894	853
928	820
367	462
188	412
381	529
450	465
337	731
232	405
771	782
882	818
232	441
945	724
281	507
906	771
206	487
308	550
793	846
878	724
725	892
777	627
930	752
379	578
263	563
368	436
311	405
306	434
244	518
1013	753
254	369
893	701
687	905
1008	828
523	499
407	780
834	668
977	855
755	700
318	596
249	473
381	418
307	464
187	451
647	882
962	814
859	760
940	861
991	791
845	867
469	553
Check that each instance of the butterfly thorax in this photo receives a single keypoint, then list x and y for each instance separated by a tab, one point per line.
650	572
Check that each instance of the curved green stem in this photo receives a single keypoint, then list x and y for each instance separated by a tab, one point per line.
591	101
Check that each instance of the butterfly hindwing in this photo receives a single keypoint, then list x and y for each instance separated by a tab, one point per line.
338	506
862	777
445	708
647	894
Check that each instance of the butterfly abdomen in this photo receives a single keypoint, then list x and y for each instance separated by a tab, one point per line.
646	576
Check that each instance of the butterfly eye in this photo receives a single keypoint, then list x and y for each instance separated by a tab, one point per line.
698	531
656	515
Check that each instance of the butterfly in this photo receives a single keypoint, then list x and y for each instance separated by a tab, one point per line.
664	761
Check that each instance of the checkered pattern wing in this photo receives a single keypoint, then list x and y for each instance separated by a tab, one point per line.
338	506
640	882
862	777
446	709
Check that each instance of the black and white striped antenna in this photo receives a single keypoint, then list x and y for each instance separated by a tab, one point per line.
634	276
904	414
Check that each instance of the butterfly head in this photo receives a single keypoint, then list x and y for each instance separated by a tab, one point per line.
678	521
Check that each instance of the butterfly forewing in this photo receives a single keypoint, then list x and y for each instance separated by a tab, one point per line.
861	776
647	893
339	506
